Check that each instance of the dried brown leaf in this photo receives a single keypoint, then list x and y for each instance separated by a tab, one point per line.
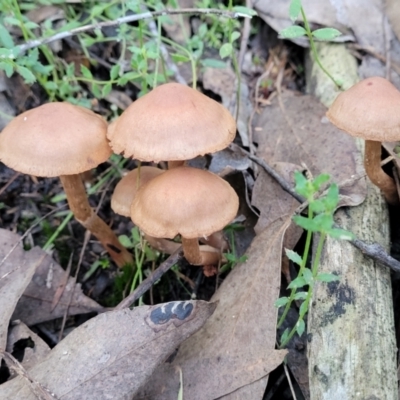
16	271
35	304
36	351
235	350
112	354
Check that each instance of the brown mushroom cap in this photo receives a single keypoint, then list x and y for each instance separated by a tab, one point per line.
172	122
127	187
370	109
186	201
55	139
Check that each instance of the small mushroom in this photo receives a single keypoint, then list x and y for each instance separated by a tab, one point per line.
186	201
371	110
60	139
172	123
123	196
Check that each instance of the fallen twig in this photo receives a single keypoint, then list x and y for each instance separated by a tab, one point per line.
173	259
22	48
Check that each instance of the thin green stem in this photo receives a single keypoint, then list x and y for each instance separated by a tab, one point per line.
239	80
307	300
59	229
314	49
301	270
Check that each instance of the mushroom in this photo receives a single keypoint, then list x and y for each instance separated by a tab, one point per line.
172	123
370	110
123	196
186	201
61	139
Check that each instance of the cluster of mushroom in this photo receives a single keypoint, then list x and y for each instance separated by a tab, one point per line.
371	110
175	123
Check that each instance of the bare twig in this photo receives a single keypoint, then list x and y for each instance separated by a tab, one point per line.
151	279
374	250
289	381
10	181
123	20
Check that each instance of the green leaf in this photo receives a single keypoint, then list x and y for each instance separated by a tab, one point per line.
230	257
7	68
305	223
245	10
294	9
32	57
106	90
340	234
320	180
326	33
26	74
323	222
50	85
225	50
213	63
326	277
332	198
303	309
300	295
285	335
297	283
300	327
125	241
202	31
129	76
6	39
96	90
301	184
317	206
31	25
86	72
136	235
292	32
295	257
307	275
42	69
235	35
12	21
7	53
180	58
114	72
282	301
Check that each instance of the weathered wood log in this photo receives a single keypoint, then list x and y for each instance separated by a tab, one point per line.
352	348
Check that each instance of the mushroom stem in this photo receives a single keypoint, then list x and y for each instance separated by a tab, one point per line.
79	205
199	255
372	164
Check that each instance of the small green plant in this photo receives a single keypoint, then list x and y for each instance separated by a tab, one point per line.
231	257
102	263
320	221
142	254
139	62
296	31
